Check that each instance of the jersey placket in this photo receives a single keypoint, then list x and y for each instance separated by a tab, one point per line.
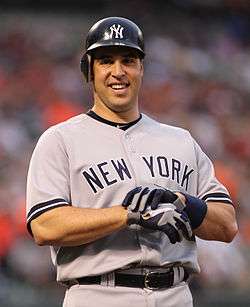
133	159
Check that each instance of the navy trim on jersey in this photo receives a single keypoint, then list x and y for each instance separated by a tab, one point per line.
43	207
123	126
220	197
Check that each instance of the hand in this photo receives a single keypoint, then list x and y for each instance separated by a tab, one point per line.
174	223
141	198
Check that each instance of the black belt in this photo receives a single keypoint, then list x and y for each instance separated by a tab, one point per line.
150	280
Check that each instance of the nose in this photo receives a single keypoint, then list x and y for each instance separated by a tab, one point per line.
118	69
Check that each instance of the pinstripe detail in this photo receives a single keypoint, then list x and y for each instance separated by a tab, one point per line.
42	207
221	197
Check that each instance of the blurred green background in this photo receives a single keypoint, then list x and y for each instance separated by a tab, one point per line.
197	76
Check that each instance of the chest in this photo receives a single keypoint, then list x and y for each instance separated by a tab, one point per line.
104	161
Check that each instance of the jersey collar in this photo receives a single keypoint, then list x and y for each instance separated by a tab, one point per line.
123	126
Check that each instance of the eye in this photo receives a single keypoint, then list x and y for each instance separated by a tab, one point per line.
105	60
129	60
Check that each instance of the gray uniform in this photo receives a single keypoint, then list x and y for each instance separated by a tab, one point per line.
86	163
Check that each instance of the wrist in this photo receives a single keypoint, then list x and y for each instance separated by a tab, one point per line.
181	196
133	217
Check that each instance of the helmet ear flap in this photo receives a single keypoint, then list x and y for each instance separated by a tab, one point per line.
85	66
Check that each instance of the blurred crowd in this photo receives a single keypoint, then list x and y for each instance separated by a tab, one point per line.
197	76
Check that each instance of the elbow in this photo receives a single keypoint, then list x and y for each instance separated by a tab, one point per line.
230	232
229	225
42	235
41	239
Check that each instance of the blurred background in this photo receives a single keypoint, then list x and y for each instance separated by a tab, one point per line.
197	76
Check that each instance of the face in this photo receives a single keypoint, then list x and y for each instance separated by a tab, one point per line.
117	76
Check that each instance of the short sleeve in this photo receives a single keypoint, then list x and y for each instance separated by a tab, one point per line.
48	176
209	188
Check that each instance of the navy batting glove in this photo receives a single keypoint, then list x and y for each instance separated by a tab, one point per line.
162	196
174	223
196	210
141	198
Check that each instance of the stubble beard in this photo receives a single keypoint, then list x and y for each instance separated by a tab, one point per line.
118	108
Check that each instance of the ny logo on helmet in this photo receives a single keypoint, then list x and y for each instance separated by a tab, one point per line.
117	30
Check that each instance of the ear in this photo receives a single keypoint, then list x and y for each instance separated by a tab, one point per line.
142	67
91	68
85	66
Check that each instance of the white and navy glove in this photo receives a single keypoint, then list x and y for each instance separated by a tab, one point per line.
141	198
166	218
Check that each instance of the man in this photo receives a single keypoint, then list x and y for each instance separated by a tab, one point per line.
118	196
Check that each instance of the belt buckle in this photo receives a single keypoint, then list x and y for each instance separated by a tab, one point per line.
147	281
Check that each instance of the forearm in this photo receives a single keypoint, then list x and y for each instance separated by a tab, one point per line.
71	226
219	223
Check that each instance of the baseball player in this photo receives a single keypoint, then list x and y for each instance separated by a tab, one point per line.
118	196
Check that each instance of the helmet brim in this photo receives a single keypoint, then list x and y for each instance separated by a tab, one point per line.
116	43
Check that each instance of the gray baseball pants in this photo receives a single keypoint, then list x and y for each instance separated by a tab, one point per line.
98	295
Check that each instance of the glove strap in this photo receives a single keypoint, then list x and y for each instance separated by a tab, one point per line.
133	217
196	210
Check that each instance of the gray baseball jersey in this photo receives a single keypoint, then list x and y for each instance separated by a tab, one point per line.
86	163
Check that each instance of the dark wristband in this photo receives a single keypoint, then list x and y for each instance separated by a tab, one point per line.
196	210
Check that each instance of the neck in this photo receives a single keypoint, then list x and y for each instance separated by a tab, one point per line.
118	116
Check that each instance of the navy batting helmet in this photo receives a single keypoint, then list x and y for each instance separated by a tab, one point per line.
111	31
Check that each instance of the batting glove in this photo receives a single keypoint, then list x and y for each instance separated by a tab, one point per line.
195	208
174	223
141	198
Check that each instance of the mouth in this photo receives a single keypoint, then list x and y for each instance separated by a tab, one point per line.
118	86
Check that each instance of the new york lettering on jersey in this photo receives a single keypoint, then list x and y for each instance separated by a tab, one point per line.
110	172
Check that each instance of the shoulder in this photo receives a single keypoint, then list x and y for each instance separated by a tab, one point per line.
75	122
61	129
162	128
60	134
